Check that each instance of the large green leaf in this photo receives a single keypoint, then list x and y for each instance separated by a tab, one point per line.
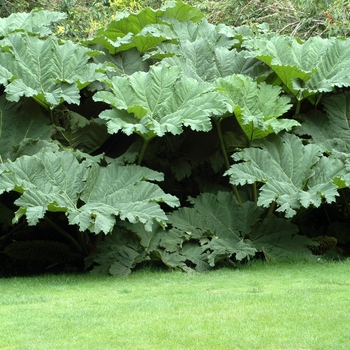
223	215
277	238
124	62
47	70
193	31
36	21
290	59
91	196
290	172
190	32
159	101
21	122
329	130
220	218
81	133
121	191
257	107
145	29
199	60
117	254
332	68
316	65
205	53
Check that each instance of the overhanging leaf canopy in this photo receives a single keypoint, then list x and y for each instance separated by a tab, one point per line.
57	182
159	101
291	172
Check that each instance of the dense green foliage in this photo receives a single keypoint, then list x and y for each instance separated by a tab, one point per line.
166	138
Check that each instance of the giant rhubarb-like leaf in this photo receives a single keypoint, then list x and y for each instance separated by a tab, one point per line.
223	217
331	131
189	32
47	70
159	101
256	106
91	196
305	68
205	53
290	172
199	60
145	29
278	238
36	21
117	254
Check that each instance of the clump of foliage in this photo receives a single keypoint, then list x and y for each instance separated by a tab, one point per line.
165	138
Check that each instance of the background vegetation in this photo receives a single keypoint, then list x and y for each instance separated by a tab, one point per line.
301	18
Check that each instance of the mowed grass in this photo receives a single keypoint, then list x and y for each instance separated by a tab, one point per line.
258	306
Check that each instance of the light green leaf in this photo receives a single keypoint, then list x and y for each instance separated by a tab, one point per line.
36	21
199	60
223	215
180	11
193	31
257	107
220	218
290	172
290	59
204	52
47	70
187	33
58	182
145	29
332	67
316	65
159	101
123	63
121	191
29	147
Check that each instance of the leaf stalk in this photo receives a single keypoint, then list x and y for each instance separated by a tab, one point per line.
143	150
224	153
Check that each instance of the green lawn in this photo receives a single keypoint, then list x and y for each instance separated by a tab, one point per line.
262	306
